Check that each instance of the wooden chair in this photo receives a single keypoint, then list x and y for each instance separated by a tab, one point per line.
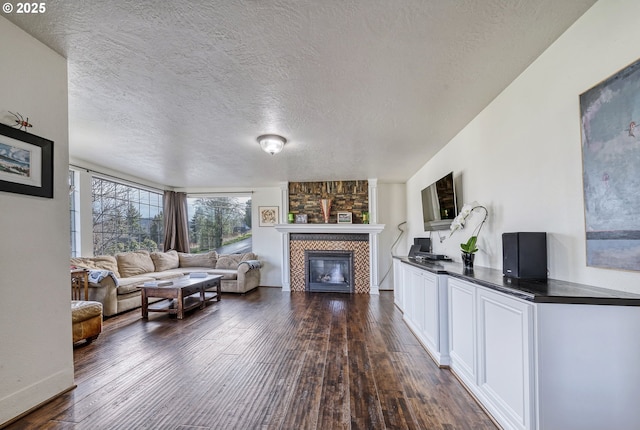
79	284
86	315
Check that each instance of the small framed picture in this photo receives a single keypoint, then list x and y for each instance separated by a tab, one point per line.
301	218
26	163
268	216
345	218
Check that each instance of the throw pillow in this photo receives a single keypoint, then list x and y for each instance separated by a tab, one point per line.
249	256
101	262
165	260
198	260
228	261
134	263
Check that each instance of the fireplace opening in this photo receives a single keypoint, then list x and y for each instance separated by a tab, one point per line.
329	271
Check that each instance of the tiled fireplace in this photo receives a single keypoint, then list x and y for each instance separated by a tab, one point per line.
359	239
329	271
356	246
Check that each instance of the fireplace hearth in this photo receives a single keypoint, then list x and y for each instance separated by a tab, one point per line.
329	271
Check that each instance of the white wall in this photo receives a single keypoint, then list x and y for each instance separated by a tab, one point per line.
392	205
521	156
36	354
267	242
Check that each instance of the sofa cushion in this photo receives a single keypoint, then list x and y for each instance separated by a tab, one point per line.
130	285
101	262
134	263
227	275
198	260
169	274
165	260
189	270
177	273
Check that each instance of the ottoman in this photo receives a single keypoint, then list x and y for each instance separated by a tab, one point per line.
86	318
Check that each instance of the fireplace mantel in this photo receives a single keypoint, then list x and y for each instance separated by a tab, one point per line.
330	228
371	229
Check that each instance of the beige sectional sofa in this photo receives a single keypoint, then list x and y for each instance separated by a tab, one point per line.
114	281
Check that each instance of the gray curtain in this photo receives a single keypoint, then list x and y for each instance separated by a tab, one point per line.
176	222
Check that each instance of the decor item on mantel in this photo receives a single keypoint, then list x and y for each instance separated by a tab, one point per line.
345	217
348	196
469	248
325	206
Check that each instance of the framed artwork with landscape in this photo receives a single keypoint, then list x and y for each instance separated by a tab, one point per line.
26	163
610	128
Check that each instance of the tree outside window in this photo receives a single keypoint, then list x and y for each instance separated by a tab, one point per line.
125	218
221	224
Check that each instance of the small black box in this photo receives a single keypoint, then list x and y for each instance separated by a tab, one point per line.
524	255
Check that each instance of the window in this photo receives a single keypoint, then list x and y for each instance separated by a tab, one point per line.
74	215
221	224
125	218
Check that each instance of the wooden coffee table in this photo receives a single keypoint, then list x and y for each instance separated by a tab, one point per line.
183	295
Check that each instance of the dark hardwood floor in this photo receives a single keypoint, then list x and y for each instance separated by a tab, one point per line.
266	360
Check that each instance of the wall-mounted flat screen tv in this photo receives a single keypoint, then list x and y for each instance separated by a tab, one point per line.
439	204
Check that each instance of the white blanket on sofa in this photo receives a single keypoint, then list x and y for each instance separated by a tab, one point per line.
96	276
253	264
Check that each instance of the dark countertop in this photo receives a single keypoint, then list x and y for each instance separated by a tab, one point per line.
545	291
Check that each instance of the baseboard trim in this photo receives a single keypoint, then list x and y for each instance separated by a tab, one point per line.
478	401
39	405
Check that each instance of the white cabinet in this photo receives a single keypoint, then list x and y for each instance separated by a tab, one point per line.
425	310
398	284
415	300
505	358
462	330
532	366
491	339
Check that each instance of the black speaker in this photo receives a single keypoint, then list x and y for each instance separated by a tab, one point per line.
424	242
524	255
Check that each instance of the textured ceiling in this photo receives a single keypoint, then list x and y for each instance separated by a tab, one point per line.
177	92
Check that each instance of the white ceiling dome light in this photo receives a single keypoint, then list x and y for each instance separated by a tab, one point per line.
271	143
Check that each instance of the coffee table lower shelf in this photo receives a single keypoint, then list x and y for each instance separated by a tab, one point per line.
184	295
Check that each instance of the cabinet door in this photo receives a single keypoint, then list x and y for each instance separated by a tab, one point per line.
398	284
430	312
462	330
505	371
416	316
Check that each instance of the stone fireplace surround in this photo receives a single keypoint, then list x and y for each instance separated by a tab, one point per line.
370	230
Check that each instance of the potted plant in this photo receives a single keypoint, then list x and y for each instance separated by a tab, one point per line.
469	248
